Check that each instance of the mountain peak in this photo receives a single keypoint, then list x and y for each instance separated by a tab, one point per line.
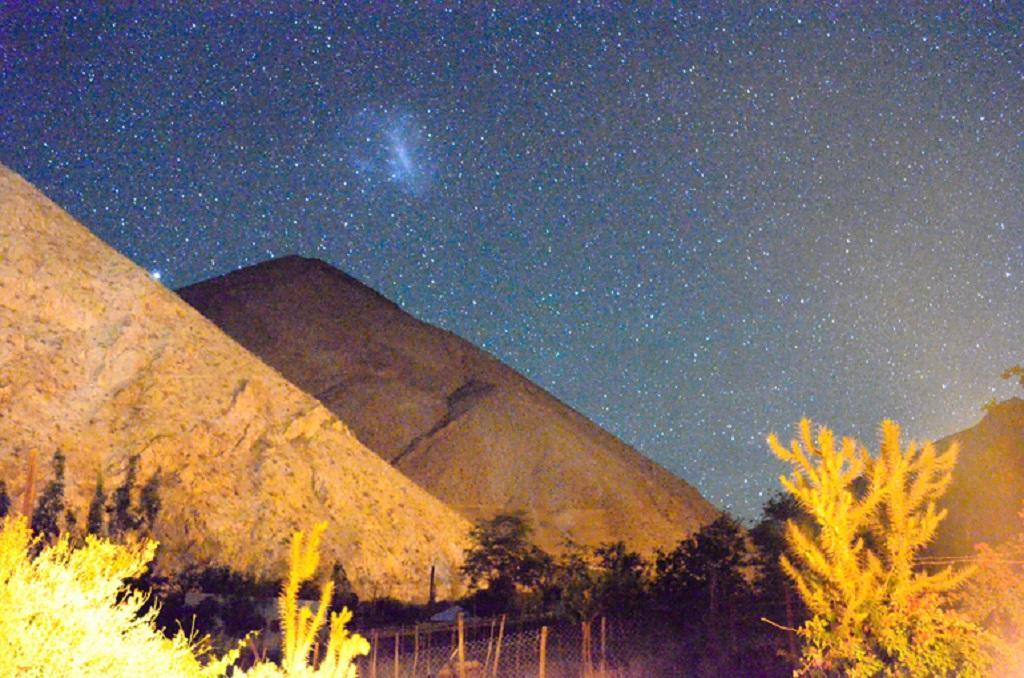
1009	409
463	425
299	274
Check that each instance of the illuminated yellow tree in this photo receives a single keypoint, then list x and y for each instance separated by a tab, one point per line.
65	610
300	626
874	612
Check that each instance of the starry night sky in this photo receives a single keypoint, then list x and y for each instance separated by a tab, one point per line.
693	225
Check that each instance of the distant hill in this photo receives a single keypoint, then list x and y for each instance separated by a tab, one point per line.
100	361
987	491
467	428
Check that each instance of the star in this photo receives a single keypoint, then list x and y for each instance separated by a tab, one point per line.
692	226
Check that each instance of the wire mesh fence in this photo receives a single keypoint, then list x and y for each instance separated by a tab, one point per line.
501	646
734	640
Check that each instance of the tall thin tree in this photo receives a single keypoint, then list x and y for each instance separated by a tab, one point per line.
97	508
46	519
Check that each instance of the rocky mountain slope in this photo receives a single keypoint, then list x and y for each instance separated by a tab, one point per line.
987	492
467	428
100	361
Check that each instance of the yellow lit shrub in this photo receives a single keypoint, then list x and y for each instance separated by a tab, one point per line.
67	611
300	626
875	609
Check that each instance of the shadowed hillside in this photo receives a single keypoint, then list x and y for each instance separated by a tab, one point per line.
100	361
988	482
464	426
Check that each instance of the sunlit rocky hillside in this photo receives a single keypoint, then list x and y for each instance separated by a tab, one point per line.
102	362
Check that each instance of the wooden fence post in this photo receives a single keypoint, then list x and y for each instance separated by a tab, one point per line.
397	636
542	669
497	649
490	647
373	656
585	653
462	649
430	654
519	656
415	648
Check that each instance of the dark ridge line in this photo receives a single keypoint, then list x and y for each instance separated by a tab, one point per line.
472	388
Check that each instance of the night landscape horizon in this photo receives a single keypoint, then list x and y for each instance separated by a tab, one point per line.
760	213
461	266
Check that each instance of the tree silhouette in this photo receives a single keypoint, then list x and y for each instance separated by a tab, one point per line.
503	557
705	571
5	499
124	517
97	508
576	581
777	597
50	509
620	586
149	500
